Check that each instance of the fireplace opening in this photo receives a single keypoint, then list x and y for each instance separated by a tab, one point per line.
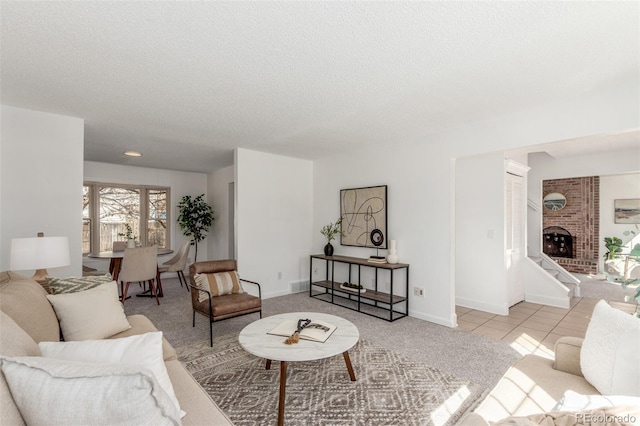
557	242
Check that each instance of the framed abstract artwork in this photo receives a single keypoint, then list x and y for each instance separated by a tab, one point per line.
627	211
364	210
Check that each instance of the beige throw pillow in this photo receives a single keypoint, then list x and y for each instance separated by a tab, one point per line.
57	392
218	284
91	314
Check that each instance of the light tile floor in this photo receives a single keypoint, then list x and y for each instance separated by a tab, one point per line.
531	328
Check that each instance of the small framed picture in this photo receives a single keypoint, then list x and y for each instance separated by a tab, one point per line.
627	211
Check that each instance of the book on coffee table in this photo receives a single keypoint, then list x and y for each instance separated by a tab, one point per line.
317	331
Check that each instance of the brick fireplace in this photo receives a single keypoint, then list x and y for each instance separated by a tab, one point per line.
578	223
557	242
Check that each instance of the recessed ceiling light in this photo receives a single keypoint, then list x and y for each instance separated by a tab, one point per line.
132	154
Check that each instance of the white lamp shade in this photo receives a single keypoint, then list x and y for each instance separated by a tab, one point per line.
39	253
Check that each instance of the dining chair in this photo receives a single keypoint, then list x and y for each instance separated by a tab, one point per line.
139	265
177	264
119	245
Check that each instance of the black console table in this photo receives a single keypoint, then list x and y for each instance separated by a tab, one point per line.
371	302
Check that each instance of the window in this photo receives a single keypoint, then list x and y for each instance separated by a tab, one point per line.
108	209
86	220
157	217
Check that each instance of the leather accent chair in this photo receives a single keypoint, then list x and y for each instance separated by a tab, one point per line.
218	308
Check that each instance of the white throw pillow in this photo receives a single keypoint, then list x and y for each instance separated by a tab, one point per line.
57	392
609	354
144	351
91	314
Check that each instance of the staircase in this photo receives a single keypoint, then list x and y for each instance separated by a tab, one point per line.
558	273
547	283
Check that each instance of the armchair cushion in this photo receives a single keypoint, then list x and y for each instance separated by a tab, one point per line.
530	386
229	305
218	284
567	357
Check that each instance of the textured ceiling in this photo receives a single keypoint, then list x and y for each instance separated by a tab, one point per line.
186	82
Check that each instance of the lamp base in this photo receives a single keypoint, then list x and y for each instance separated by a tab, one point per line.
40	275
41	278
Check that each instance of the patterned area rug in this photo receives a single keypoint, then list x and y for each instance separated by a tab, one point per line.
389	390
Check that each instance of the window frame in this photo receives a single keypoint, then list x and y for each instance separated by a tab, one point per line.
94	211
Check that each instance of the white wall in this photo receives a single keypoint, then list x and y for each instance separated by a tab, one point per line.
611	188
2	245
274	211
181	183
479	224
41	181
218	190
419	219
420	173
544	167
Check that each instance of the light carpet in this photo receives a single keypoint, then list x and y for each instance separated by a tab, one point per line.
390	389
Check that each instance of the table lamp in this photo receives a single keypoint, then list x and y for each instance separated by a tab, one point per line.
39	253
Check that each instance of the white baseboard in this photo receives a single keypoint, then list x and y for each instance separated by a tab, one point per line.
299	286
493	308
557	302
275	294
447	322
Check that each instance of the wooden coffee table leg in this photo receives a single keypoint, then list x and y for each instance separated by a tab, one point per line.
347	361
268	365
283	382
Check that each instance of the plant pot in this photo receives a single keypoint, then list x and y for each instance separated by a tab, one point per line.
328	250
131	243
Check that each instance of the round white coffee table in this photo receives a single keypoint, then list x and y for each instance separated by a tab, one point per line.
255	340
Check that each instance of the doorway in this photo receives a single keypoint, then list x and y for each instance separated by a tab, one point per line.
232	220
514	236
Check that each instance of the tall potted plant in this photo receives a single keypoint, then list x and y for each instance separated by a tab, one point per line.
195	219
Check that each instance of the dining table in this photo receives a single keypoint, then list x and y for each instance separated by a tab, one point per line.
115	262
